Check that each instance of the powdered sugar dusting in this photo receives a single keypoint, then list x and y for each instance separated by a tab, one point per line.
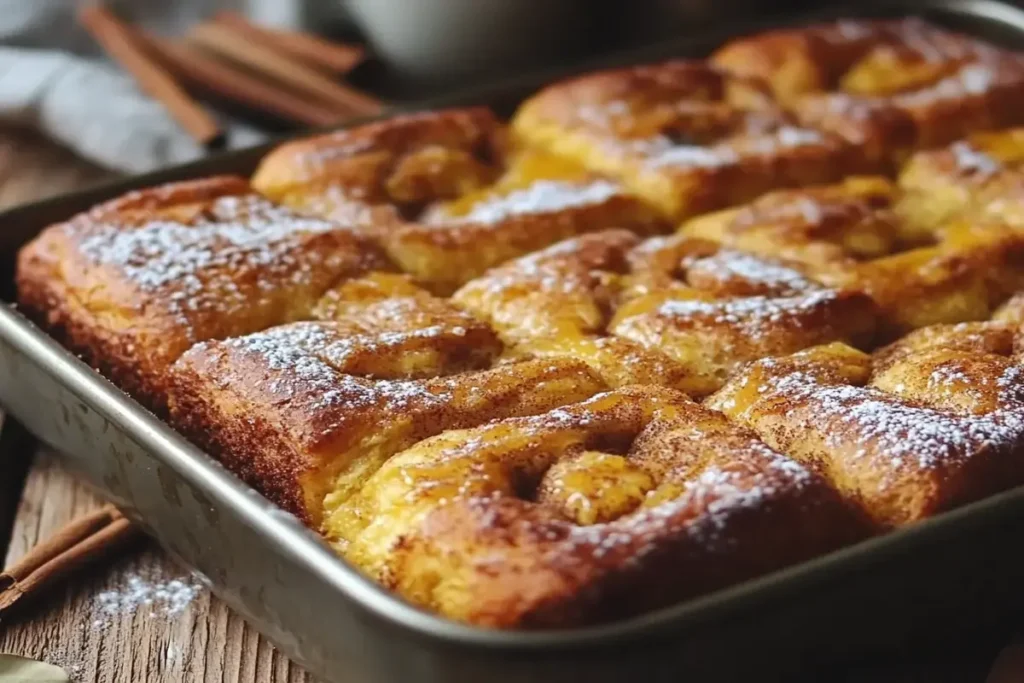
287	351
693	156
974	79
789	136
660	152
753	313
601	115
544	196
703	509
766	275
316	159
879	425
194	264
973	161
304	360
946	375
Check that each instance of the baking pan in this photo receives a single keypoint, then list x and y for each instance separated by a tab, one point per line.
961	568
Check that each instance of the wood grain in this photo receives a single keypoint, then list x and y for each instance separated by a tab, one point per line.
98	627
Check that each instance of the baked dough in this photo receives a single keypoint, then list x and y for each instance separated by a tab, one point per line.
443	194
133	283
888	87
684	135
934	421
632	500
470	355
674	311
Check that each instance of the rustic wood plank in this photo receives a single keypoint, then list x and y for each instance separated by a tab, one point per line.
138	618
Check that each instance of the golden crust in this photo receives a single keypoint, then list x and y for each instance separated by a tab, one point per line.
399	164
673	311
854	235
684	135
887	86
134	282
980	178
630	501
461	451
964	277
816	58
441	195
307	411
932	422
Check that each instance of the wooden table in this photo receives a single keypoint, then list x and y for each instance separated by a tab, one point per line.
99	626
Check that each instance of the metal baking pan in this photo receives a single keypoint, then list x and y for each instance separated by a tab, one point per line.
960	568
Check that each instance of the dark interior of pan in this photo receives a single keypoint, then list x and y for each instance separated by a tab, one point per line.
932	581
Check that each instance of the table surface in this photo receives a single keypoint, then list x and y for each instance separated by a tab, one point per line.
140	617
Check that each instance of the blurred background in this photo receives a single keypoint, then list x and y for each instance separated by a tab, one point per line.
60	76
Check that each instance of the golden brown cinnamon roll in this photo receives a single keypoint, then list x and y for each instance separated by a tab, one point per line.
886	86
933	421
674	311
134	282
443	194
632	500
686	136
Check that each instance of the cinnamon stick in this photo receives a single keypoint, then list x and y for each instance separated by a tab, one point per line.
223	79
304	80
81	541
337	58
115	39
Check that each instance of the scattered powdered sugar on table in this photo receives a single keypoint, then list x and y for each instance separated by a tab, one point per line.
156	597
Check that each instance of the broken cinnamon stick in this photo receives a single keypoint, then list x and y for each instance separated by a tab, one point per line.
80	542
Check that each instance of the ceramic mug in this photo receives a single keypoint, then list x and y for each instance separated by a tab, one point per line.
445	39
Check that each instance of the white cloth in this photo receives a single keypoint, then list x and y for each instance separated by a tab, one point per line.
53	78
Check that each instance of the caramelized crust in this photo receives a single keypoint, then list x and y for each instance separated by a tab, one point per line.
630	501
886	86
868	56
854	235
963	277
528	453
672	311
932	422
135	282
442	197
307	411
684	135
980	178
398	165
